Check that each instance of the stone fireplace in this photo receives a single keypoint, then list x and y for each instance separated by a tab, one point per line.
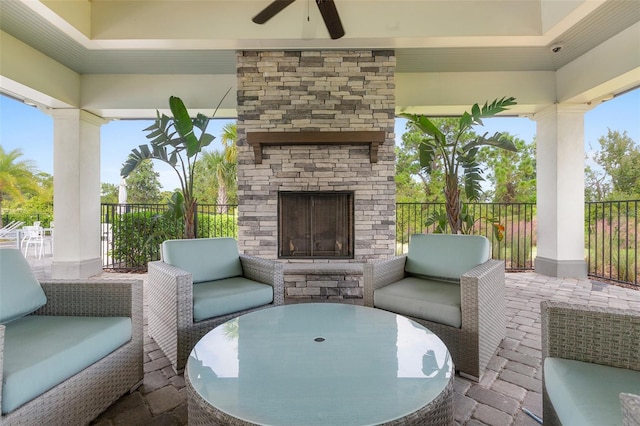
316	122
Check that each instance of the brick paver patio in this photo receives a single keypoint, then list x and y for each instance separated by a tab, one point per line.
511	383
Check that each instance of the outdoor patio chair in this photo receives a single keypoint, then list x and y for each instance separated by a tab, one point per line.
449	284
591	365
68	349
202	283
11	230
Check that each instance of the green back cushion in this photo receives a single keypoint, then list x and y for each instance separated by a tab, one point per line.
446	255
208	259
435	301
20	291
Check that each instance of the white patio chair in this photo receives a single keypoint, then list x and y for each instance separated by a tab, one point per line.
34	236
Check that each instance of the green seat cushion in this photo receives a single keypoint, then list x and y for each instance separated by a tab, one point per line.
585	394
41	352
20	291
446	255
215	298
431	300
207	259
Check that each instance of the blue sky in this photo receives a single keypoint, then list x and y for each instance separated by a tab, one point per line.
26	128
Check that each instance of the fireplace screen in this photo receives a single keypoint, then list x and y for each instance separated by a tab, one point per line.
315	225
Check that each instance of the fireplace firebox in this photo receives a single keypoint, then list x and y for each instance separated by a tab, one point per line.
317	225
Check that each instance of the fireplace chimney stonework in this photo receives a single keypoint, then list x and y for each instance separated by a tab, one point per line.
317	91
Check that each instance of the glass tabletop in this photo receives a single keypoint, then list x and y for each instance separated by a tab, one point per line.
319	364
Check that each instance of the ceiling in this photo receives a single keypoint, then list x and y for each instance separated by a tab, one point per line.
200	37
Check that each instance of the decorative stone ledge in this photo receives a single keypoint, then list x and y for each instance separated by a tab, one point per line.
372	138
323	280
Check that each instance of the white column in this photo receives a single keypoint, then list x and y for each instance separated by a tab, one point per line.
560	176
76	194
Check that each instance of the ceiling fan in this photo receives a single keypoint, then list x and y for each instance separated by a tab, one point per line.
327	10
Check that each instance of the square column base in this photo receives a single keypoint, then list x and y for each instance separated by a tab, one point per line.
561	268
76	270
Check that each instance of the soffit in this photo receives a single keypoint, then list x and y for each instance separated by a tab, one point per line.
440	53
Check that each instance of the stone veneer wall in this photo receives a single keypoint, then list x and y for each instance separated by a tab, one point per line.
316	91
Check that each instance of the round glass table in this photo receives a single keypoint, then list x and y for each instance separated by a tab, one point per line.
320	364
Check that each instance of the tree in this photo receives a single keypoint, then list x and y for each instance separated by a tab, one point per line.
619	157
16	177
143	185
109	193
174	141
227	169
596	184
413	183
512	174
457	157
217	175
205	181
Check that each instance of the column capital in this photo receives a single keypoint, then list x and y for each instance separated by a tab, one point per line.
561	108
67	113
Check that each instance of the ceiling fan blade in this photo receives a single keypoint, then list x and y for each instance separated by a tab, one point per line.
331	19
270	11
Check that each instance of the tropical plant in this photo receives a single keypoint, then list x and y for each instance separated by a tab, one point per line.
16	177
458	157
226	170
173	140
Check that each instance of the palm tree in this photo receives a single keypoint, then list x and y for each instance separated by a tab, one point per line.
226	169
16	176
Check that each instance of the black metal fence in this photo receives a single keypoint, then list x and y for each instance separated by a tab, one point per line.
132	233
612	230
515	221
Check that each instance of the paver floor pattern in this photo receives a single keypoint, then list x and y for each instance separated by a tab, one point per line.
512	382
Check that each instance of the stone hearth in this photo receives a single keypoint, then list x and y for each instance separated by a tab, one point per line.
306	93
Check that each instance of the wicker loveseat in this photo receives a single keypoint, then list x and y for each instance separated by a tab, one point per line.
591	365
202	283
68	349
449	284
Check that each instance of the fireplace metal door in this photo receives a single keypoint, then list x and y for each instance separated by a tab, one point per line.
315	225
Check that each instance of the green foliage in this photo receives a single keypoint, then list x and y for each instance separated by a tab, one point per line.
108	193
618	176
205	180
137	238
16	177
511	173
217	225
456	155
173	140
413	182
143	185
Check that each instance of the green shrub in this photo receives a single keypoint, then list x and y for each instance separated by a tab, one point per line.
217	225
137	238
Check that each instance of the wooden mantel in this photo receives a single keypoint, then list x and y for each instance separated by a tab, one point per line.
372	138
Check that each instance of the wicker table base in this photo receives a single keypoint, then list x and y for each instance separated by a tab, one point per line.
215	397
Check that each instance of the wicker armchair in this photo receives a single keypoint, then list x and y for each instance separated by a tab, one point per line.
604	344
80	398
171	291
481	295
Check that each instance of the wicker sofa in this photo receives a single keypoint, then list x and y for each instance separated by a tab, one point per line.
202	283
591	365
68	349
449	284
